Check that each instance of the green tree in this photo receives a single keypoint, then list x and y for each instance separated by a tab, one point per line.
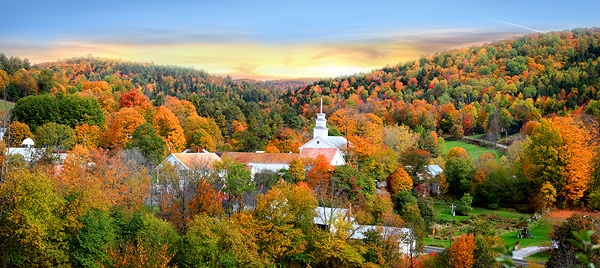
541	159
237	179
148	142
55	136
76	110
459	173
36	110
89	244
463	205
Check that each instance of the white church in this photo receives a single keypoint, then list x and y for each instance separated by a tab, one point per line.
331	147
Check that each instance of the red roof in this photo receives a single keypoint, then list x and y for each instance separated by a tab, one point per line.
264	158
197	160
313	153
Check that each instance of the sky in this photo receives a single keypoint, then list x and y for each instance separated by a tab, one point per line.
268	40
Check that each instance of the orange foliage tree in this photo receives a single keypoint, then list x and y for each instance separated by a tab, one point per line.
578	152
206	201
461	252
285	217
399	181
119	128
319	178
123	180
181	108
167	126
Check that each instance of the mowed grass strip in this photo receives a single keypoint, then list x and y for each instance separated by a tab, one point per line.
474	151
541	231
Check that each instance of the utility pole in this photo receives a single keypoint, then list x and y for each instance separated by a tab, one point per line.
451	222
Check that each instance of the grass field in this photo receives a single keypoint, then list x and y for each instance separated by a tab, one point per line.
505	222
6	105
474	151
540	230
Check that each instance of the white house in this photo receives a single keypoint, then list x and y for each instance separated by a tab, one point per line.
333	219
27	151
191	163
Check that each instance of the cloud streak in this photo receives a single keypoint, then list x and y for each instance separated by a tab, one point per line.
241	56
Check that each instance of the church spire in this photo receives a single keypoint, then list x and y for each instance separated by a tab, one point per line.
320	129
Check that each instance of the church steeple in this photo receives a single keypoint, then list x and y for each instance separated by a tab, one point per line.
320	129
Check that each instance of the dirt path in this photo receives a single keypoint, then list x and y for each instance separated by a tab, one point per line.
560	215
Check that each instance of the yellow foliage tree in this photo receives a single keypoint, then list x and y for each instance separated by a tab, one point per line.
458	152
18	132
88	135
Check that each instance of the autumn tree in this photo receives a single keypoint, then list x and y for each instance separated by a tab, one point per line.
297	171
17	132
88	135
216	242
399	181
318	178
123	179
22	84
207	200
202	132
578	152
142	241
285	217
33	232
180	192
461	252
541	159
167	126
119	128
181	108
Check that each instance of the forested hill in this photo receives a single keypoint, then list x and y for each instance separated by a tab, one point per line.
558	70
480	89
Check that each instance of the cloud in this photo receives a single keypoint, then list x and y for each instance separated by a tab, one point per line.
242	56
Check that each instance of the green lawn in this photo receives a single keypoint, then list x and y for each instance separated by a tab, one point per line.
474	151
504	221
443	212
539	230
6	105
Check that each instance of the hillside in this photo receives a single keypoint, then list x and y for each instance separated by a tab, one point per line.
111	202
